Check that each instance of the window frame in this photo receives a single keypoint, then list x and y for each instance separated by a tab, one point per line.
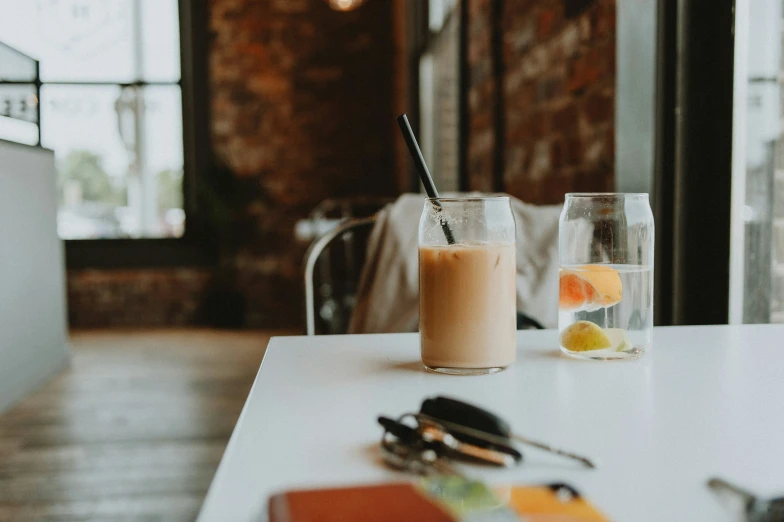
693	162
35	82
190	249
421	41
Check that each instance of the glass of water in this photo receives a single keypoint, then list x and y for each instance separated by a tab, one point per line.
605	250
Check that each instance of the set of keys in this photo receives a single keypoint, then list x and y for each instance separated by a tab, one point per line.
447	430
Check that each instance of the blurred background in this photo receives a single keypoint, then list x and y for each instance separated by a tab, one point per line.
190	154
190	135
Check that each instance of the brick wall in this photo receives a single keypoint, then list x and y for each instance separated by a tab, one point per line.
481	97
303	106
99	298
558	89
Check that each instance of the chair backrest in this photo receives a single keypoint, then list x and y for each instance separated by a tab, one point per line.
331	281
334	306
330	285
331	299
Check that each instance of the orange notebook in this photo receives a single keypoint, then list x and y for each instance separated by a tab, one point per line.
439	499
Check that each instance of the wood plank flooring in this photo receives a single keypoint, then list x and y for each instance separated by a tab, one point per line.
134	430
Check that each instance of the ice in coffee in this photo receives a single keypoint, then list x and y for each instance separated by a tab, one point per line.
467	297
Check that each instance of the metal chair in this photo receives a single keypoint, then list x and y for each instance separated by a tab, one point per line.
337	298
312	255
314	252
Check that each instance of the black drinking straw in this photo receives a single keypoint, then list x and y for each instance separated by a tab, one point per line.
424	174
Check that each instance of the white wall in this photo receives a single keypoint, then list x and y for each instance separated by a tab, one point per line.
33	333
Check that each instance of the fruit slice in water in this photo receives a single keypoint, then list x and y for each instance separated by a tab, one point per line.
589	287
619	342
584	336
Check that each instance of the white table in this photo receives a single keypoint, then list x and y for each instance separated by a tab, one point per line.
707	401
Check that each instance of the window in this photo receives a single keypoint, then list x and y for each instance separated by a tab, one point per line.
19	97
110	107
439	94
757	262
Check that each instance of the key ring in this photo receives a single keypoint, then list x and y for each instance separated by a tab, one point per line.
403	448
433	442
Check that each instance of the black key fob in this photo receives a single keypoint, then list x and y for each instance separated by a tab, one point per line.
464	414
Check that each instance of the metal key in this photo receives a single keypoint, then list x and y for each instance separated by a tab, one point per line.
410	459
431	446
461	413
755	508
402	447
449	437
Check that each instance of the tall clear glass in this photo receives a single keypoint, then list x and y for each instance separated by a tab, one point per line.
467	295
605	306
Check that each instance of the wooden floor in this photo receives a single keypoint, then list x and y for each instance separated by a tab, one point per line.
134	430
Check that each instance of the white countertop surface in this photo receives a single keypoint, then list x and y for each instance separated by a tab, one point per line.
708	400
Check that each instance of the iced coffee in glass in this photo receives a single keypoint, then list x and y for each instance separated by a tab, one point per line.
467	297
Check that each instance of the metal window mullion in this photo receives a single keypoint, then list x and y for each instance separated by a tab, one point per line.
98	83
94	84
138	51
146	191
38	99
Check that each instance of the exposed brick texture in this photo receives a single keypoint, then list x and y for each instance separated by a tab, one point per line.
161	297
559	95
303	106
481	141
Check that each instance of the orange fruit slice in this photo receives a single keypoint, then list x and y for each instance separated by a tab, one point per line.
590	287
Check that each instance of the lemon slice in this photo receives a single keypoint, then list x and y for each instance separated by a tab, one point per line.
585	336
619	342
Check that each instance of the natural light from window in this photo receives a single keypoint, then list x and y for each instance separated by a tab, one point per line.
110	108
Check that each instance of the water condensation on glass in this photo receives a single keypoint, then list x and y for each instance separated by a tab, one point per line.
465	217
